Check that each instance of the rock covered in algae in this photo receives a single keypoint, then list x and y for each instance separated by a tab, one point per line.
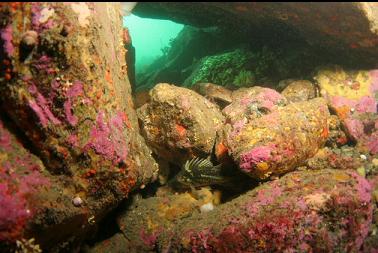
179	123
299	90
63	83
250	103
34	202
279	141
353	95
22	178
324	210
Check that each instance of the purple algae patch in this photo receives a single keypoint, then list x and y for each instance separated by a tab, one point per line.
72	119
75	90
38	110
108	139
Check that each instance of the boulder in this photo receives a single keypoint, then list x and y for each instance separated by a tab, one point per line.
353	96
279	141
215	93
179	124
321	210
299	90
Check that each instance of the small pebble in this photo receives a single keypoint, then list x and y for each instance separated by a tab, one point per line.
77	201
207	207
363	157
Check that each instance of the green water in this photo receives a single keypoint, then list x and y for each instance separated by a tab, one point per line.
149	37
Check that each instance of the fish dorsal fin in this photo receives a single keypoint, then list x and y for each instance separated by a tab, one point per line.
198	164
205	163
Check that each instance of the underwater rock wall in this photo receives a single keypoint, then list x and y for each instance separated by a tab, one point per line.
63	83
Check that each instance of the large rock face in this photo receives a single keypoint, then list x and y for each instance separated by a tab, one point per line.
307	211
179	123
353	29
63	83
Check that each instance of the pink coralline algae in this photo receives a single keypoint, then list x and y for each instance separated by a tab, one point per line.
36	12
72	119
73	140
367	104
75	90
12	213
42	118
339	101
43	63
364	189
44	105
108	139
200	240
372	144
268	98
20	179
148	240
41	107
264	198
15	210
259	154
237	127
6	35
355	128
